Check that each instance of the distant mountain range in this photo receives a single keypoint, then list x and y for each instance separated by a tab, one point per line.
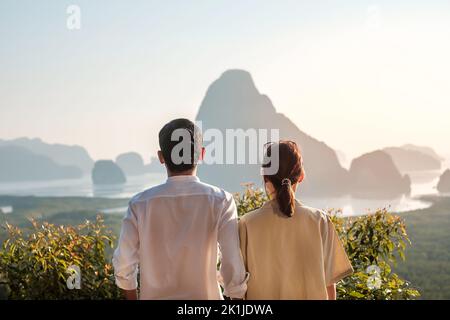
61	154
411	158
25	159
234	102
374	175
444	182
20	164
132	164
107	172
231	102
426	150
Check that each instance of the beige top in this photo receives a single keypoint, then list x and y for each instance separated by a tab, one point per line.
291	258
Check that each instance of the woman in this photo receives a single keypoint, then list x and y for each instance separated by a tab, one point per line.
290	250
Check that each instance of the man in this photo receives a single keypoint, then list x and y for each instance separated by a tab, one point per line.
171	231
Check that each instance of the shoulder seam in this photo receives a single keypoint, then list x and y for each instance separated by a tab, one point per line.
178	195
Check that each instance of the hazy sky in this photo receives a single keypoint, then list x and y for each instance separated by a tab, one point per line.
358	75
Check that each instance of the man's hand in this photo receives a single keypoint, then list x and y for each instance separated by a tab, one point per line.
130	294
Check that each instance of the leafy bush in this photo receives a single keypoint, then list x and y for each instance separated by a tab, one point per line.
372	242
35	264
251	199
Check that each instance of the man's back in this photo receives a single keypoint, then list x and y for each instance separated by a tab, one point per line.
171	231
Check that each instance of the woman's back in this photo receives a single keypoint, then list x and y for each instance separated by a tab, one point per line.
291	257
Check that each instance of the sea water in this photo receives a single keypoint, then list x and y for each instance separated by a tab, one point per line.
423	183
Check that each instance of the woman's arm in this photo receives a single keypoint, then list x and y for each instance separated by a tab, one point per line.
331	290
130	294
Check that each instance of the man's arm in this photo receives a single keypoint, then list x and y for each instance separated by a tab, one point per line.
126	256
232	267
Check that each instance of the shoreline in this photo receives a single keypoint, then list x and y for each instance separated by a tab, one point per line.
348	204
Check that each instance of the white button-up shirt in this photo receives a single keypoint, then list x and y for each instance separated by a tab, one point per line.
171	233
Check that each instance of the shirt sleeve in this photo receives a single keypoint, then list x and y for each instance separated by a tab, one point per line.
337	265
232	269
126	255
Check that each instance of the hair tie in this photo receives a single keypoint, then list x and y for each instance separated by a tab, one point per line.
286	181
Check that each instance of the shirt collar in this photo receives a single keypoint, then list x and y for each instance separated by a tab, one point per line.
273	203
183	178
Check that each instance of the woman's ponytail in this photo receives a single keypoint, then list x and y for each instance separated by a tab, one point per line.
286	198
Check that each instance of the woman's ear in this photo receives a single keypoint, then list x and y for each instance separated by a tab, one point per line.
302	176
270	189
161	157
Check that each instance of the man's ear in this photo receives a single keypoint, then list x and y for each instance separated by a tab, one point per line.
161	157
202	154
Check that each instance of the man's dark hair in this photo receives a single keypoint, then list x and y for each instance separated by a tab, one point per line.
180	141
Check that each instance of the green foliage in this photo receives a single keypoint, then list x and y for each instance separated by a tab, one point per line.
60	211
34	263
251	199
377	239
428	263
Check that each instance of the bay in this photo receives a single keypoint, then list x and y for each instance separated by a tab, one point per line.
423	183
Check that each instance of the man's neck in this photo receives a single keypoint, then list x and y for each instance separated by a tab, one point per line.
183	173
